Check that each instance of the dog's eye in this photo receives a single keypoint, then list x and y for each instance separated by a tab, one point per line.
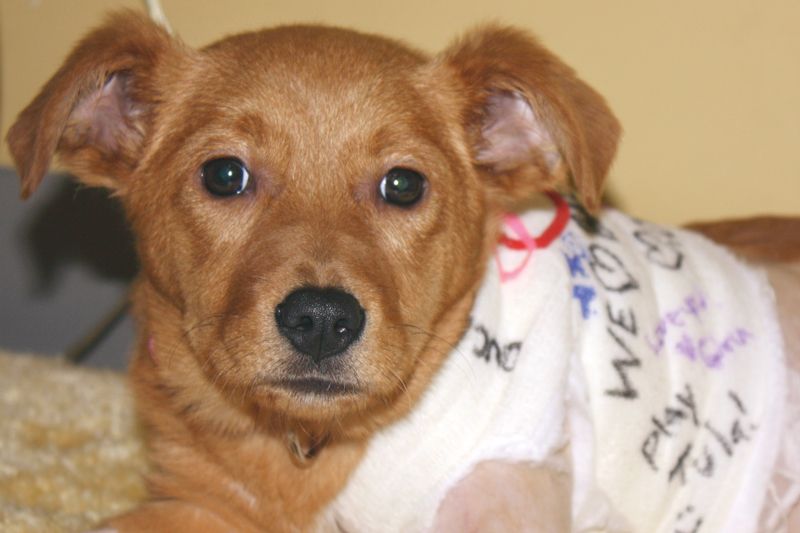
226	176
402	187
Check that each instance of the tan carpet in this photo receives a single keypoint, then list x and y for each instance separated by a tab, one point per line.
70	452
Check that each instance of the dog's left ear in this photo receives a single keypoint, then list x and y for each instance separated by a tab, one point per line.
531	122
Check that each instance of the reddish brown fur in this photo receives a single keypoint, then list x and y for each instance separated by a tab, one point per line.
774	239
318	115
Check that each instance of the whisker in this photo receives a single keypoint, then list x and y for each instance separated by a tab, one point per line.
449	347
207	321
403	385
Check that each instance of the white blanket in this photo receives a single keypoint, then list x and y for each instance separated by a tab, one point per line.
655	353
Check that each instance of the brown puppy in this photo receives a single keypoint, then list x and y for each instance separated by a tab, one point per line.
313	210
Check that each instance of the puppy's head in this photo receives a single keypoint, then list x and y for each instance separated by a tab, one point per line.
316	204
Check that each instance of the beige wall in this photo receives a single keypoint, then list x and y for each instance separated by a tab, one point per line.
708	90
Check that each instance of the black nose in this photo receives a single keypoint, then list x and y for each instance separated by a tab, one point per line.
320	323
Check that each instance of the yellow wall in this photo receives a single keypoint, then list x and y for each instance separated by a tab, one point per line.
708	91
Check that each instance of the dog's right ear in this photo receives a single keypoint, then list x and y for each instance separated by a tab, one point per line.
95	110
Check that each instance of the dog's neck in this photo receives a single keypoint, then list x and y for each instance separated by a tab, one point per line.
305	448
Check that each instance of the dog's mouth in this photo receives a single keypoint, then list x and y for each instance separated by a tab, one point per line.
314	386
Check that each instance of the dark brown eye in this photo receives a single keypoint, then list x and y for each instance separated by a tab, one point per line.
402	187
226	176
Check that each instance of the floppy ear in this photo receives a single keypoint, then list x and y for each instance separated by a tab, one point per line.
94	110
531	122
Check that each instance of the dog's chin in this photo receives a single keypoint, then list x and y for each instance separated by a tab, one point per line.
313	398
338	400
315	389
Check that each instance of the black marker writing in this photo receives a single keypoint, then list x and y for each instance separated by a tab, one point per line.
661	247
586	221
623	319
490	349
622	365
705	445
609	270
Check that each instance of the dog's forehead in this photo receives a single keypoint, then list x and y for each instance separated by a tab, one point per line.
293	43
307	64
315	90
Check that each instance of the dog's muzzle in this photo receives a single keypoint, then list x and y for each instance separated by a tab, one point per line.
320	322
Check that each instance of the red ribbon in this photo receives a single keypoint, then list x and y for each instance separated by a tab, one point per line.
528	243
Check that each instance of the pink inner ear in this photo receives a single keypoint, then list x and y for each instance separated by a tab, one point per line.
103	118
513	135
